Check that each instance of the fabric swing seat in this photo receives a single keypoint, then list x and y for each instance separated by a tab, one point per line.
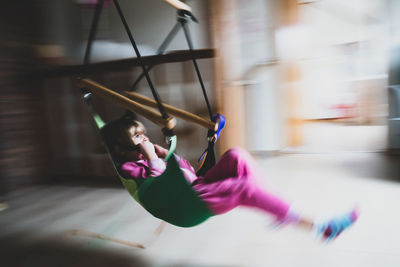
168	196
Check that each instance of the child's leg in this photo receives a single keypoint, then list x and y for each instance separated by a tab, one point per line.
232	182
233	163
259	198
274	205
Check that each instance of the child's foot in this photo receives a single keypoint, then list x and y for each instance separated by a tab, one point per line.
291	217
333	228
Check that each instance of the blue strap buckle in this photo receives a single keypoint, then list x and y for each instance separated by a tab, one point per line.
220	119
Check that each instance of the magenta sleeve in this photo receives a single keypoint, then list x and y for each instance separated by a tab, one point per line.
157	167
135	170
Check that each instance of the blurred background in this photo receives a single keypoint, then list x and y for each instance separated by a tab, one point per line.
291	77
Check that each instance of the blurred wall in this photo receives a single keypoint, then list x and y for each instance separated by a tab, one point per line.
22	127
247	73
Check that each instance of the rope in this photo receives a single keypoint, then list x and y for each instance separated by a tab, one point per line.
160	51
144	69
190	44
92	33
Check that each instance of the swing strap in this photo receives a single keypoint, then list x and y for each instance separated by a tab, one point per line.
190	44
184	15
93	29
144	69
213	135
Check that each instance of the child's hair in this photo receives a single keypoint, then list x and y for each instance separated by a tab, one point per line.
118	138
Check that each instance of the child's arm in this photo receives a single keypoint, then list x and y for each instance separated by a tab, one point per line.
160	151
157	165
148	150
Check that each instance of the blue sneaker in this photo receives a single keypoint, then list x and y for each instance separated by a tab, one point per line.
333	228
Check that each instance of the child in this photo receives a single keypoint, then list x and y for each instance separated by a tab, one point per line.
230	183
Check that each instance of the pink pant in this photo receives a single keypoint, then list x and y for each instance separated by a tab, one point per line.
232	182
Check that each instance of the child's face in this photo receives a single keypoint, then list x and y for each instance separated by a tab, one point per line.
136	137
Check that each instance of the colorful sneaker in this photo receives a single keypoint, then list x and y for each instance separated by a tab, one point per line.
333	228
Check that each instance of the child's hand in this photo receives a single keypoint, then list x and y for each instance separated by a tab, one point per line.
160	151
148	150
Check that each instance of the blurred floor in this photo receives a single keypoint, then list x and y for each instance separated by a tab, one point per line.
33	227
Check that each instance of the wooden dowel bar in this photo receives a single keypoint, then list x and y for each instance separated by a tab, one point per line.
179	5
180	113
127	103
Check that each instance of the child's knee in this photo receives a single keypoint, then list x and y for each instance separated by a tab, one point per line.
238	153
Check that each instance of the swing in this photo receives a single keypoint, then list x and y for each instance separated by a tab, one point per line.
168	197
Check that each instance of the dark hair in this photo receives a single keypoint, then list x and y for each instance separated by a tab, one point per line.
118	138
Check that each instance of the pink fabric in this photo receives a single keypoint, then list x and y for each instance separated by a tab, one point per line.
157	167
144	169
230	183
136	169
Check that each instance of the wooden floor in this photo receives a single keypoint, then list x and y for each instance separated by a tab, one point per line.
35	227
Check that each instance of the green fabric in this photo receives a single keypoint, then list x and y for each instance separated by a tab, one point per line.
99	122
131	186
170	198
172	146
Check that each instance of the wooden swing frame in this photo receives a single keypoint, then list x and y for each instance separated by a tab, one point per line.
140	105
